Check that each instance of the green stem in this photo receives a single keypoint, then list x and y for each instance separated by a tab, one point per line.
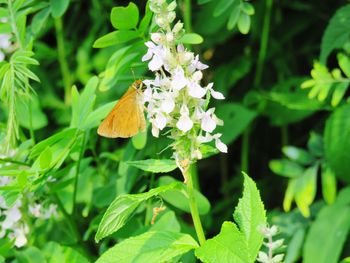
77	170
263	43
61	47
194	173
193	205
187	15
245	151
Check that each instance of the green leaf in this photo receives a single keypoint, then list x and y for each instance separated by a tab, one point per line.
191	38
344	63
298	155
243	23
125	18
30	255
166	222
229	246
154	165
55	253
332	222
59	7
222	6
286	168
329	184
39	21
146	20
82	104
232	20
295	246
249	214
236	119
178	197
315	144
306	190
45	158
139	141
150	247
115	38
95	117
248	8
339	92
122	207
337	32
39	119
337	143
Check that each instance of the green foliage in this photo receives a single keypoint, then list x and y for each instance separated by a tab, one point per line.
241	244
334	222
336	141
337	32
153	246
122	208
128	194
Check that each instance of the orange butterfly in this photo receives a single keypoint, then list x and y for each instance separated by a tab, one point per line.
126	118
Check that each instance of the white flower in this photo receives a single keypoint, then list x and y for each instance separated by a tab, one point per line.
216	94
175	98
167	104
184	123
195	90
208	122
160	121
35	210
179	80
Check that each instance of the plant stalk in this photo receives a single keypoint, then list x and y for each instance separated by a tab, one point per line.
61	46
187	172
188	15
77	170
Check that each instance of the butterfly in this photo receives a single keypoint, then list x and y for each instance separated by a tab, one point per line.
126	118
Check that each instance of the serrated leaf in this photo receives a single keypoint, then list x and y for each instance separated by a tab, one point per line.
122	207
337	32
125	18
154	165
150	247
229	246
249	214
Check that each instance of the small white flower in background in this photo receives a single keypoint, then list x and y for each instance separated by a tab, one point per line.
12	224
269	257
175	98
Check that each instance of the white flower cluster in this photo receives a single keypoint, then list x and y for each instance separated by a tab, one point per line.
175	98
12	224
269	257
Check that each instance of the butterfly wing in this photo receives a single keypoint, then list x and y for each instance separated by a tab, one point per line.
126	118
